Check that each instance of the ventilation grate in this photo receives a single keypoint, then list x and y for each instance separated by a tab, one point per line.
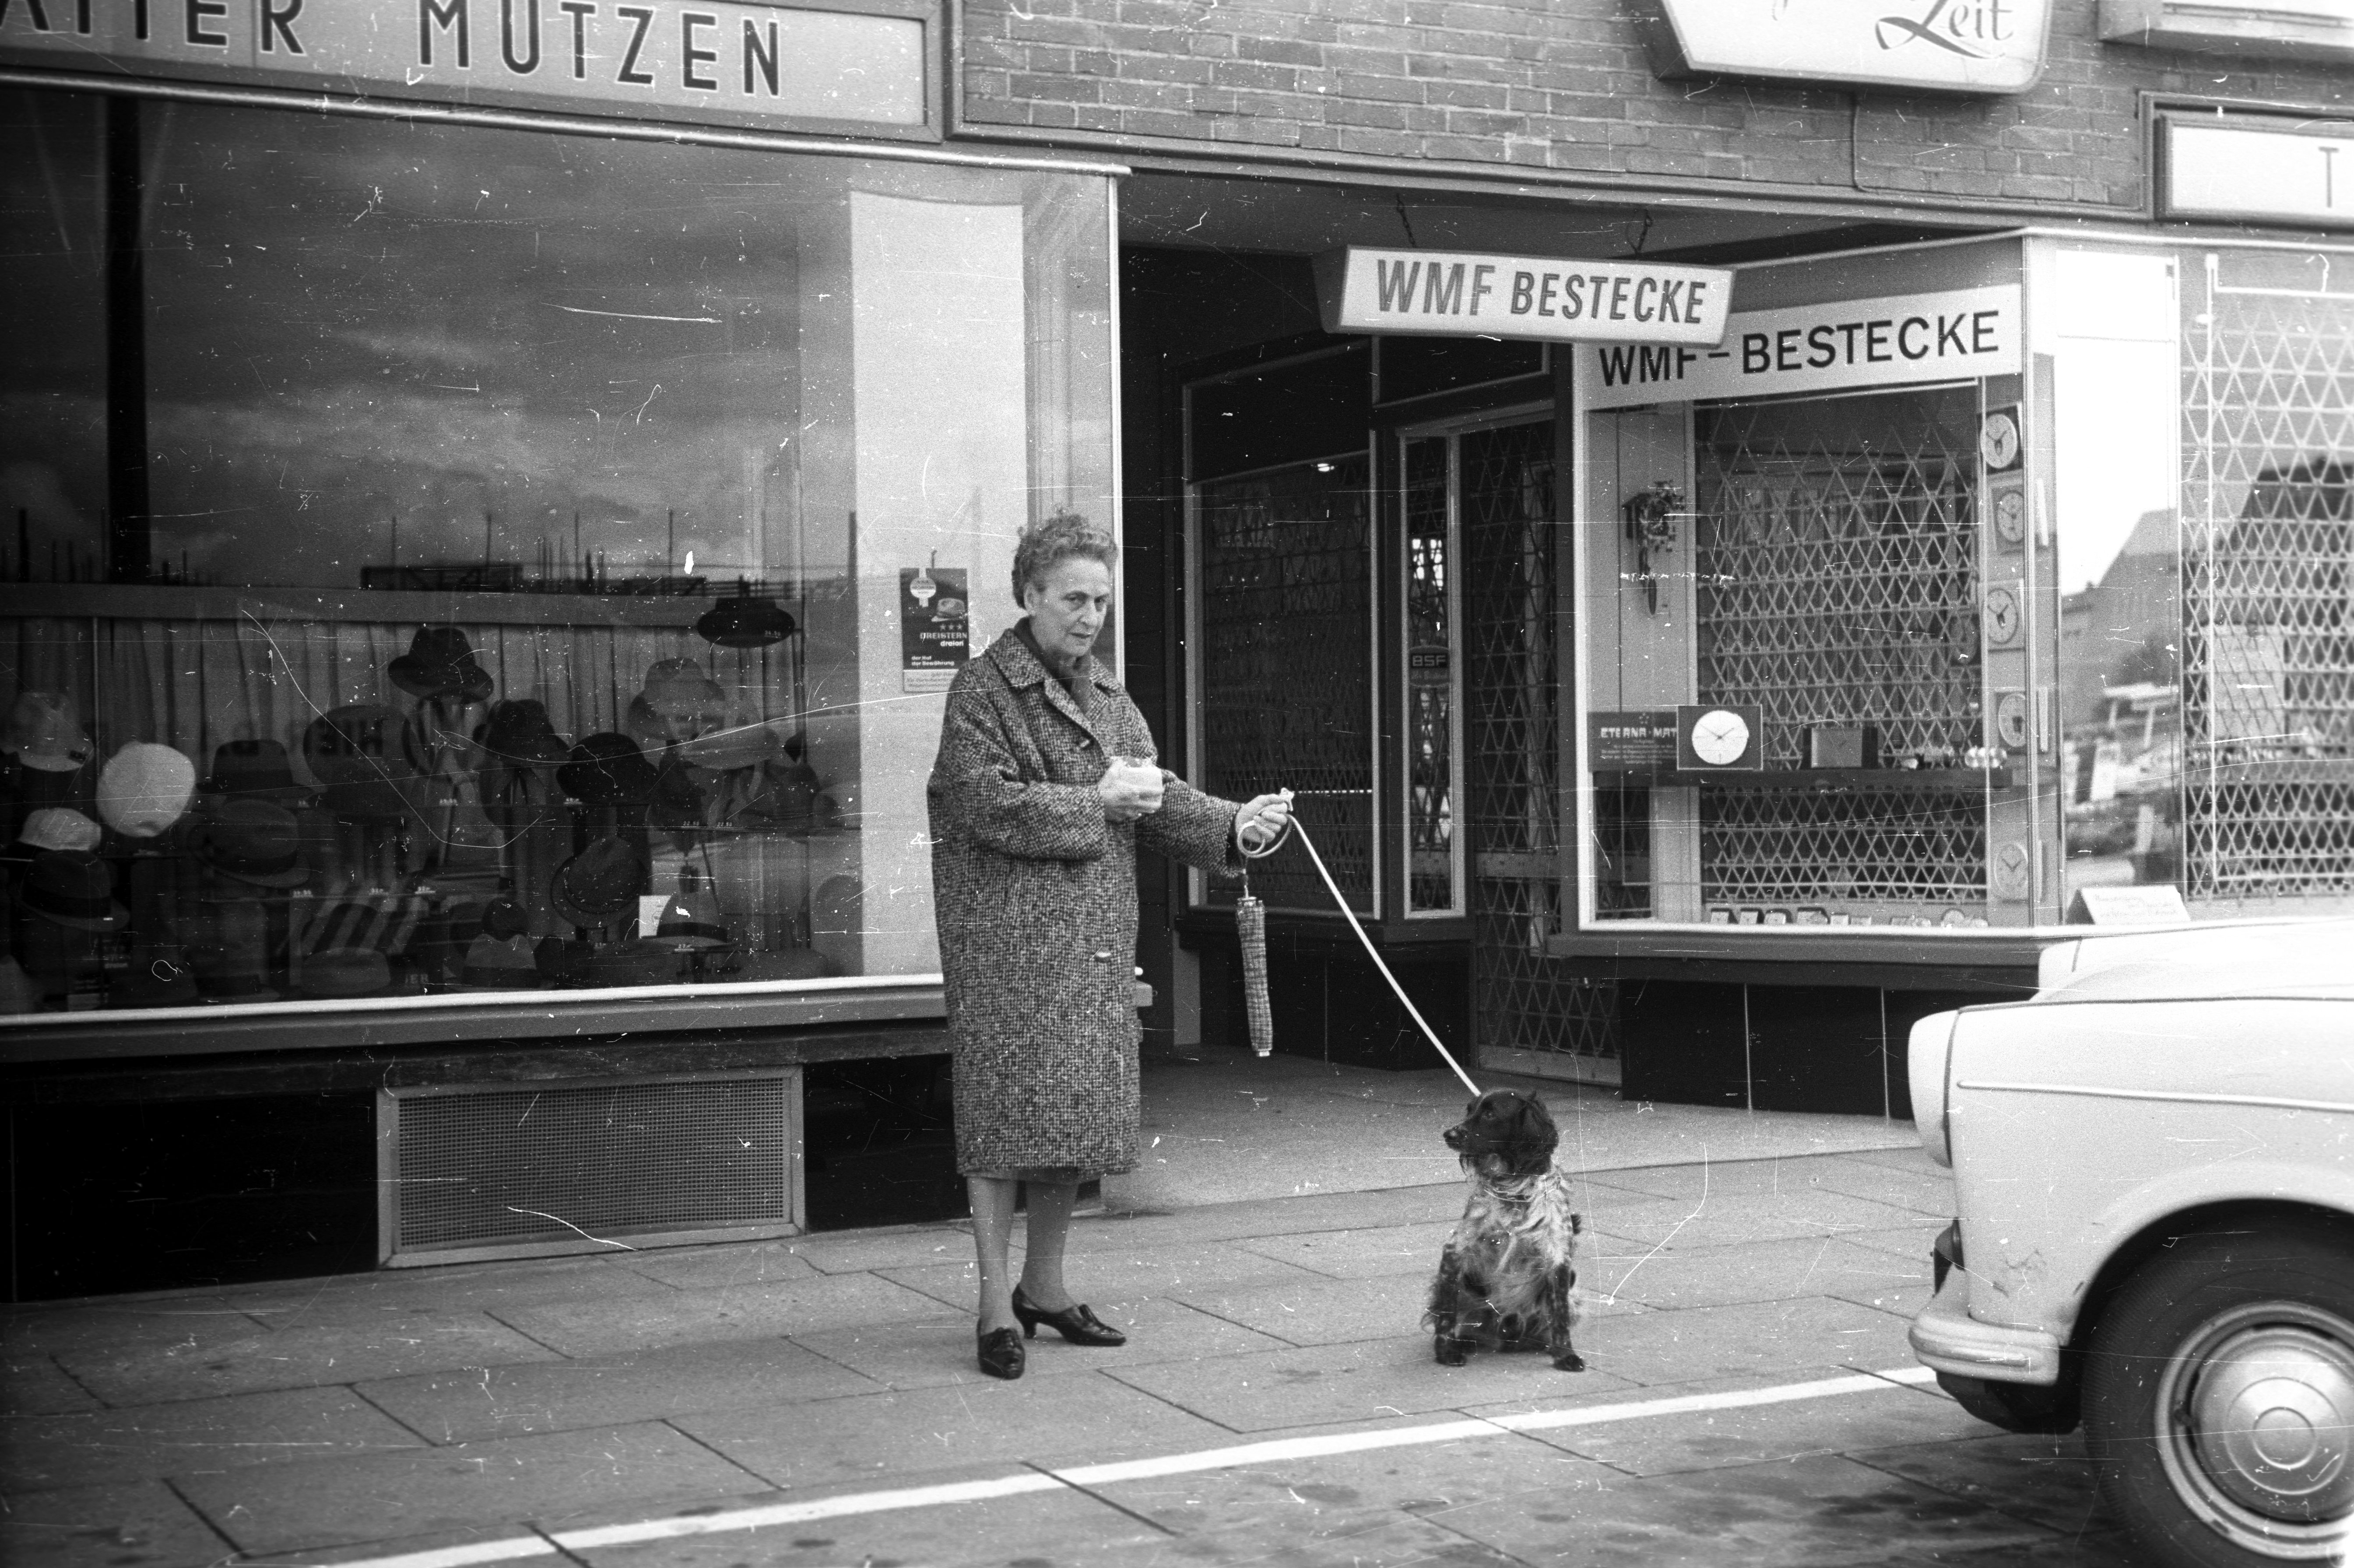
513	1167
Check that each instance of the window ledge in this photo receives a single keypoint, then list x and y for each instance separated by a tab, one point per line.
520	1015
2314	30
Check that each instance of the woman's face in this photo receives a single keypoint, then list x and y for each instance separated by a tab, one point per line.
1067	610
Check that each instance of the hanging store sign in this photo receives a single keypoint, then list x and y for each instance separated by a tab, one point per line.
678	58
2231	170
1933	46
1841	346
1453	293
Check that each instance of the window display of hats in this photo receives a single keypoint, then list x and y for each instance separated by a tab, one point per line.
730	747
677	701
72	889
145	789
227	948
600	887
44	732
608	769
250	841
254	770
744	619
690	918
58	828
501	957
353	752
517	732
440	663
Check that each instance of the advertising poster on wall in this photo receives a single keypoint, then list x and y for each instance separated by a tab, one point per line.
935	632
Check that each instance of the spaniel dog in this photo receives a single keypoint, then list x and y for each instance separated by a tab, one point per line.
1508	1280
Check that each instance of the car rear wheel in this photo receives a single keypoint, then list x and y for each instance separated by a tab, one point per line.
2219	1398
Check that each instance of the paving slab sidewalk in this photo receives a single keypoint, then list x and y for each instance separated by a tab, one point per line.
351	1418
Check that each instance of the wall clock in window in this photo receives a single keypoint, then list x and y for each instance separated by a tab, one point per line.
1998	439
1712	737
2010	721
2002	619
2010	516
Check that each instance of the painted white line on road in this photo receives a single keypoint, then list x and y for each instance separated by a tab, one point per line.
1322	1446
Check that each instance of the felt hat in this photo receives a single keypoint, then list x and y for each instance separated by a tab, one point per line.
691	918
338	972
259	768
600	883
252	841
519	733
44	731
562	961
145	789
678	799
504	917
500	963
738	746
72	889
59	828
441	664
608	769
355	744
744	620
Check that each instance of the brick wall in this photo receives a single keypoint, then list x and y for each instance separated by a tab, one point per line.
1563	87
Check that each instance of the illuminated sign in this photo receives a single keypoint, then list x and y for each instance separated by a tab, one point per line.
1455	293
675	58
1850	344
2225	169
1933	46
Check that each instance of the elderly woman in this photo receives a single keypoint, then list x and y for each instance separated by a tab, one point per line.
1044	789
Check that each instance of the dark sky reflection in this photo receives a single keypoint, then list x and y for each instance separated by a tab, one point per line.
357	320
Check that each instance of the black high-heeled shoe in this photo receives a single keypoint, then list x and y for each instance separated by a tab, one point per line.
1073	1322
1000	1352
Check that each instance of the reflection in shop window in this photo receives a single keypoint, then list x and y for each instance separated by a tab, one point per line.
519	582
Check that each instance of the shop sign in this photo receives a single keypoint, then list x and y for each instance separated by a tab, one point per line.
2252	172
1841	346
1641	743
1455	293
1428	665
934	627
1933	46
684	59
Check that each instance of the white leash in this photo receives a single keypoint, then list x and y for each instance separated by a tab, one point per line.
1294	824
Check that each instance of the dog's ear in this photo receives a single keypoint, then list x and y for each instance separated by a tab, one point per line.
1534	1137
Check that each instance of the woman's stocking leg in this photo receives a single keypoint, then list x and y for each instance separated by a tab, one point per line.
1050	1226
992	1237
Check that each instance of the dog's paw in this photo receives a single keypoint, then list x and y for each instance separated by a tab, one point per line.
1450	1352
1569	1361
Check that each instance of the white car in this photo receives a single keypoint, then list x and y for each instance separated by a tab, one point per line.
2154	1172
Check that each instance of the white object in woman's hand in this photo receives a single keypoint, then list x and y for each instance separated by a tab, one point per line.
1262	821
1129	790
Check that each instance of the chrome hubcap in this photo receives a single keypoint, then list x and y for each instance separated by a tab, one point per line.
2257	1413
2271	1413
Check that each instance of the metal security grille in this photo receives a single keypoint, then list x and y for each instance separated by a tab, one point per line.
525	1165
1285	607
1523	1000
2268	565
1837	560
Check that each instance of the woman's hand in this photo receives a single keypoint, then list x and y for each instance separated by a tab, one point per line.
1262	821
1129	790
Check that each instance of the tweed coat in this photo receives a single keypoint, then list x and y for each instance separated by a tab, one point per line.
1034	890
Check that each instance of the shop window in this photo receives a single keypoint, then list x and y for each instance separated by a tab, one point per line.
2117	470
552	550
2267	584
1283	616
1786	683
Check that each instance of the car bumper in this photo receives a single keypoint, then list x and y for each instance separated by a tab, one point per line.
1946	1337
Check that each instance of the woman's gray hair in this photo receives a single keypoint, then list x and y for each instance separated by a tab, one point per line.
1052	540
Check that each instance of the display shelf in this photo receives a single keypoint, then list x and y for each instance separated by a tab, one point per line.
1925	780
